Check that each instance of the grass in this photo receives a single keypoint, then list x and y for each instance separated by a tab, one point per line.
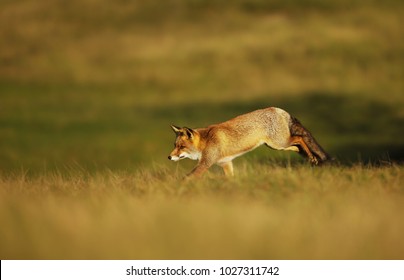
266	212
88	91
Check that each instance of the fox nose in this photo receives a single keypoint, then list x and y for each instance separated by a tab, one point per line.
169	157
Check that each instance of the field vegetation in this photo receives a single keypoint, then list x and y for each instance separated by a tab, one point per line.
266	212
88	90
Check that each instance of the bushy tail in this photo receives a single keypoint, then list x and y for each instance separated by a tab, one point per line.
297	129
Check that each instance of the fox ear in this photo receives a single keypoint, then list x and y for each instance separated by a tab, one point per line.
189	132
176	129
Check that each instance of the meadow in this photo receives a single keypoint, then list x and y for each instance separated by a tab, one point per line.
266	212
89	89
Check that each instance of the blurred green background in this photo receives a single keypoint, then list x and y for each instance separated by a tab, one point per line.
96	84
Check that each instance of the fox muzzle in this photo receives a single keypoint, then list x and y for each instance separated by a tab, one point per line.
176	158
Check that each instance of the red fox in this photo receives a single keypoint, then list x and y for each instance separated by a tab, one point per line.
221	143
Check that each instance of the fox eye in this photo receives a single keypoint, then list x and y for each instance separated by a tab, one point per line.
182	147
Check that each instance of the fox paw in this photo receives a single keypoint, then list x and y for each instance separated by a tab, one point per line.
314	161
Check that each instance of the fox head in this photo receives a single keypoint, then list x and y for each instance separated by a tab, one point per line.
185	144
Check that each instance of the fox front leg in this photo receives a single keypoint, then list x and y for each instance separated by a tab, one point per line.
198	170
195	173
202	167
227	168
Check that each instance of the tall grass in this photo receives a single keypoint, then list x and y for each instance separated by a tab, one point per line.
267	211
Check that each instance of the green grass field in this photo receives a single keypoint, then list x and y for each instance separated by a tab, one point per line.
89	89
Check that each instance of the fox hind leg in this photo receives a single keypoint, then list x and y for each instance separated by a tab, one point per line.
315	150
299	141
